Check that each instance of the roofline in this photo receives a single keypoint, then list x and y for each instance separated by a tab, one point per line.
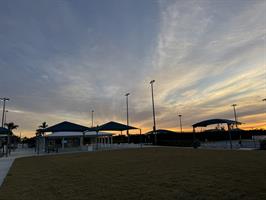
219	121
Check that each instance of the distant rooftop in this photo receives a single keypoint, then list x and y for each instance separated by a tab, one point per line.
215	121
66	127
114	126
4	131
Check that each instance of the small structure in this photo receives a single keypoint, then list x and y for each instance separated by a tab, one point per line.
114	126
4	132
215	121
71	136
208	122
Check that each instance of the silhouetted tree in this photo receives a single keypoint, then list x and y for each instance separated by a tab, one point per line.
42	126
40	133
10	126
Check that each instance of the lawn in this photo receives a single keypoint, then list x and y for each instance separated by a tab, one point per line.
150	173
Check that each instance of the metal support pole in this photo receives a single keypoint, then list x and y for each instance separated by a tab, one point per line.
194	136
140	139
127	116
153	111
92	118
230	136
4	107
240	139
234	107
97	134
5	117
180	121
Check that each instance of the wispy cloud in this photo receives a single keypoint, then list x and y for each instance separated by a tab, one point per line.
204	56
208	58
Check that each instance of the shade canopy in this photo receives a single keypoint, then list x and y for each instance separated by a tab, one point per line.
114	126
161	132
215	121
78	134
65	127
4	131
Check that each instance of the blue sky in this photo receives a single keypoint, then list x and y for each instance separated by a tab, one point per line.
61	59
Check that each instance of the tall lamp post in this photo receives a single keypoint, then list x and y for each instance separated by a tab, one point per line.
180	121
264	100
126	95
92	118
6	111
153	111
4	107
234	107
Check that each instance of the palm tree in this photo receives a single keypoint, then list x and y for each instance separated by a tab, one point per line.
43	126
39	133
10	126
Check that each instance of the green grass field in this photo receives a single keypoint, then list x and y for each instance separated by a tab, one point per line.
150	173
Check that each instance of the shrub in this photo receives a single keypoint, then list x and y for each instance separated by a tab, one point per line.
196	144
263	144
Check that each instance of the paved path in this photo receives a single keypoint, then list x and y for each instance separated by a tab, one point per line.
5	164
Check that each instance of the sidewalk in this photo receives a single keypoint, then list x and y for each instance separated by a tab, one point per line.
5	164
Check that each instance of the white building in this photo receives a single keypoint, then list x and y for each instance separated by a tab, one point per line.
67	136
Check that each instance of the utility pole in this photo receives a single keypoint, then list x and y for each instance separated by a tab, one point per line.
6	111
4	107
153	111
92	118
126	95
180	121
234	106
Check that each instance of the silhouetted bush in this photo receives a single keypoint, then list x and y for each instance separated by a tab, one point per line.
263	144
178	143
196	144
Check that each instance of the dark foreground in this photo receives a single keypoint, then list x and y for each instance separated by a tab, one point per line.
156	173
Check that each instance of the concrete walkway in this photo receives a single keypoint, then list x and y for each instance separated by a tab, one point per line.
5	164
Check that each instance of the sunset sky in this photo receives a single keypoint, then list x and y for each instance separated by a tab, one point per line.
61	59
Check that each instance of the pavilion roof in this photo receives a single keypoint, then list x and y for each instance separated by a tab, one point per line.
114	126
4	131
65	127
215	121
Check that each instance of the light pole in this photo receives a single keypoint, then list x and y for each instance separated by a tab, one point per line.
234	106
126	95
4	107
92	118
153	111
180	121
5	116
264	100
